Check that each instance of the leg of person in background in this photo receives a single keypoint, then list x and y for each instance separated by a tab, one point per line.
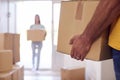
33	56
38	55
116	61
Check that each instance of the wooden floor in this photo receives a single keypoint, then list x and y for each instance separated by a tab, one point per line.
41	75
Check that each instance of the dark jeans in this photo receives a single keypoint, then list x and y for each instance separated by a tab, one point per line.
116	61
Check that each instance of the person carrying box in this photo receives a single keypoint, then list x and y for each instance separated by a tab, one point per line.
36	45
107	12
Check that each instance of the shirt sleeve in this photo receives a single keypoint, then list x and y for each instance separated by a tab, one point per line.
43	27
31	26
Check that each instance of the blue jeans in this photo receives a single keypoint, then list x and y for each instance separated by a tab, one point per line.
116	61
36	48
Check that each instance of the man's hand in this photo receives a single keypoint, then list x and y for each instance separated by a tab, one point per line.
81	44
80	47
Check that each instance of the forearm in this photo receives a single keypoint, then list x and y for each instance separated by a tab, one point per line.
106	12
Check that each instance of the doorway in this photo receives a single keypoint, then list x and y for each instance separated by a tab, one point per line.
25	12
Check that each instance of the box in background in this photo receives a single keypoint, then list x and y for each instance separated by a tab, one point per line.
73	74
20	69
6	60
16	49
72	23
6	76
10	41
36	35
6	41
16	73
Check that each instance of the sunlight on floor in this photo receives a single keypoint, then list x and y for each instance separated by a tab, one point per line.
41	75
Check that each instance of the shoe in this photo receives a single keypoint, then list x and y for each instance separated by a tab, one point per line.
33	69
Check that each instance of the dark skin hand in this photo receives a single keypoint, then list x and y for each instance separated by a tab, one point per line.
80	47
100	21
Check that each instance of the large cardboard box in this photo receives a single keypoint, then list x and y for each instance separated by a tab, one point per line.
6	60
10	41
73	20
73	74
36	35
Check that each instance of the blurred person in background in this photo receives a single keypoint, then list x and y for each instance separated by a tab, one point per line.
36	45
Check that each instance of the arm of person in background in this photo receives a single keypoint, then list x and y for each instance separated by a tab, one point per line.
43	27
31	26
45	33
106	12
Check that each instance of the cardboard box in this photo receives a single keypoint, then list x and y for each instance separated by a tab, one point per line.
16	73
16	49
36	35
73	20
6	41
10	41
6	76
20	71
73	74
6	60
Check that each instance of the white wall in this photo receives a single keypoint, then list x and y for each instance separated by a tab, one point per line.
3	16
7	16
12	17
58	59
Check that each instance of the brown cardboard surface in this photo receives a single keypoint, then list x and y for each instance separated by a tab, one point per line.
6	60
10	41
73	74
6	41
20	70
36	35
69	25
1	41
16	49
16	73
21	73
6	76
